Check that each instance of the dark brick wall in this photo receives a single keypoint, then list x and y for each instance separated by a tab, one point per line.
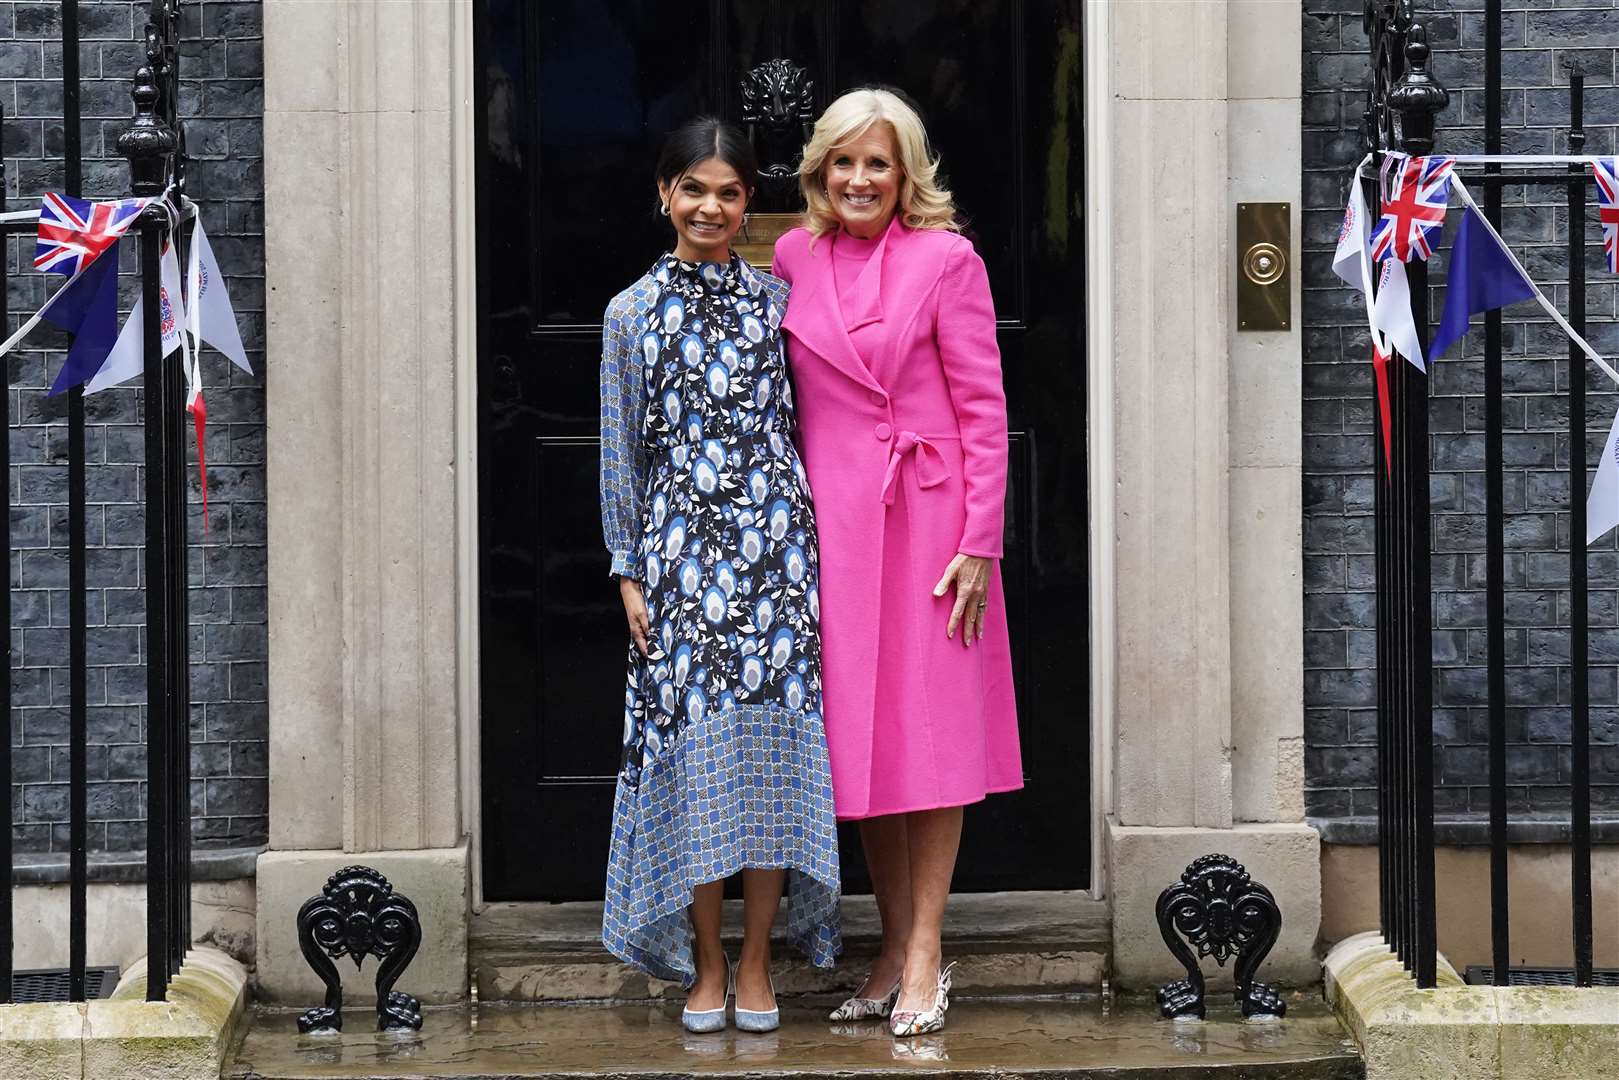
1540	37
222	71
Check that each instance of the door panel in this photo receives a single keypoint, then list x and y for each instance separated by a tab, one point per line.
574	97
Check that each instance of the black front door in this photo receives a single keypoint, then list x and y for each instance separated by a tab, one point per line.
573	99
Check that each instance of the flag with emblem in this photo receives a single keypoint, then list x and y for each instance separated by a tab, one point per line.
127	358
1415	193
1388	327
73	232
208	307
1605	171
1349	260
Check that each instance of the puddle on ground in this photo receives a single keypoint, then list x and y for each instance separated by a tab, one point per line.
1030	1035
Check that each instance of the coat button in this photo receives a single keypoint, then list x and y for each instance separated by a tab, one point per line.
883	432
877	397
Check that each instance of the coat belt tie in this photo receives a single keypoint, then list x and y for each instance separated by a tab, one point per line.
931	470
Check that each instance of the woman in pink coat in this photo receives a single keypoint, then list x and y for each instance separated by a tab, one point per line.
891	341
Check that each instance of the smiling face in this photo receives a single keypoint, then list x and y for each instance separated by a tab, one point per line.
863	179
705	204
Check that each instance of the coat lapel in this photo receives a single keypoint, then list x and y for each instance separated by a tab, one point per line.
815	317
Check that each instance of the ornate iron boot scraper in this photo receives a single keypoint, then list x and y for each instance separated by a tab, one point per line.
1220	911
359	914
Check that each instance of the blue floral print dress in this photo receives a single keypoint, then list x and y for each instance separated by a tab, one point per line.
705	502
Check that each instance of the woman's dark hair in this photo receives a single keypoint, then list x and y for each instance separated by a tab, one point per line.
707	137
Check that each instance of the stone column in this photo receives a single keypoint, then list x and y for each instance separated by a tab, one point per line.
361	362
1207	551
1263	49
1172	296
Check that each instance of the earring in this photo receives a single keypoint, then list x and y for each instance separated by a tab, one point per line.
663	208
744	221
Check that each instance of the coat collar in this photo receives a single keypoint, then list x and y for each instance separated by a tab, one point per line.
816	317
868	290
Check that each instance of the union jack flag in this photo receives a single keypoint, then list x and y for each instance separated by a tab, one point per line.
1606	173
72	232
1415	195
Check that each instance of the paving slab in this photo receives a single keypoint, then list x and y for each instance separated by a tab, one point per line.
1041	1039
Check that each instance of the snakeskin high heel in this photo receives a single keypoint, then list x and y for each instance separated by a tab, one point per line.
703	1021
864	1008
906	1024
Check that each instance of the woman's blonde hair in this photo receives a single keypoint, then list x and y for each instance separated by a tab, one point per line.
923	204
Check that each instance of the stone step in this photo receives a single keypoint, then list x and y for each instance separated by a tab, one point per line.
1039	1039
1014	943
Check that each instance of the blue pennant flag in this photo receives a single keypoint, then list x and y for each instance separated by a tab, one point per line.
1481	277
87	308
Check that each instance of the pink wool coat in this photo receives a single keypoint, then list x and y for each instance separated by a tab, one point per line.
906	452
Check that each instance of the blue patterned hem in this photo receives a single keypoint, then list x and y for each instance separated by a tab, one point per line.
748	787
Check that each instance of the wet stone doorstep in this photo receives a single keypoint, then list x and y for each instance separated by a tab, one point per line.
1042	1039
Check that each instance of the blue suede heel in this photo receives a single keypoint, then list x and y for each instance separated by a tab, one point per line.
748	1020
704	1021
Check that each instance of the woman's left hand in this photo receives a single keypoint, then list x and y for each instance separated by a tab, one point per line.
971	576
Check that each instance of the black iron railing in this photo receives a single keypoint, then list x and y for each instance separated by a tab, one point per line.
1401	107
156	160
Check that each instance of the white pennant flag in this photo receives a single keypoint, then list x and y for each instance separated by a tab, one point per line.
1354	237
128	358
1602	506
171	299
1391	312
212	319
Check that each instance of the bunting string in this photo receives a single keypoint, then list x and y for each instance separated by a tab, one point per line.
34	320
1547	305
74	237
1413	193
1363	170
1510	159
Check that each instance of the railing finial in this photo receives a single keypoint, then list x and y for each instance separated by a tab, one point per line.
148	141
1417	97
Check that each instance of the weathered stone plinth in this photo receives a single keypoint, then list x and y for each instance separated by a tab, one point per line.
1460	1032
436	882
1143	860
126	1036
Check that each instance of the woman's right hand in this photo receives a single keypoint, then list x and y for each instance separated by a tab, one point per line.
629	590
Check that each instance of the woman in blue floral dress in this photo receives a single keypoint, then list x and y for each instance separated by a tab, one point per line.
707	515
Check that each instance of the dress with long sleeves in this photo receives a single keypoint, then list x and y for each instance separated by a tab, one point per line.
705	502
